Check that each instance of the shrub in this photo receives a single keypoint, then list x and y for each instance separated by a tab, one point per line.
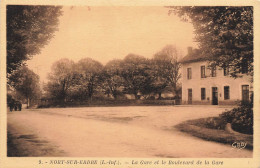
210	122
215	123
241	118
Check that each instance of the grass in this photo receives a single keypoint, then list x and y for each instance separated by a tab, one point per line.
203	128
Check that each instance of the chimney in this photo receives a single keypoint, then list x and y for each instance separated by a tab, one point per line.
189	50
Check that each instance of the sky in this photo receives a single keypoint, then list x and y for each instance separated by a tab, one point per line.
112	32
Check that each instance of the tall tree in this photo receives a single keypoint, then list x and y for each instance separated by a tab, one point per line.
136	74
26	83
225	35
88	71
29	28
167	69
61	79
111	78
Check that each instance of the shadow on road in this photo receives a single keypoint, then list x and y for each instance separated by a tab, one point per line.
30	145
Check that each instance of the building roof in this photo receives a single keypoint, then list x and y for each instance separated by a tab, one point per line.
193	56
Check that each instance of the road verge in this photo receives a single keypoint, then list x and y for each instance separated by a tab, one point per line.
199	128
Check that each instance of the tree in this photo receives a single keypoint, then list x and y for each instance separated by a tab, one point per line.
29	28
88	71
225	35
61	79
111	78
26	84
136	75
159	74
166	69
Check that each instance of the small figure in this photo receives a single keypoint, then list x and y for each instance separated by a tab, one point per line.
11	105
18	105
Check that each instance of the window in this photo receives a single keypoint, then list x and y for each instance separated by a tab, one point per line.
188	73
203	93
244	68
202	72
226	71
245	93
226	93
213	71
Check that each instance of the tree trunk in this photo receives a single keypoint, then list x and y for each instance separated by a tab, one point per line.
90	92
114	93
28	102
160	95
90	96
136	96
115	96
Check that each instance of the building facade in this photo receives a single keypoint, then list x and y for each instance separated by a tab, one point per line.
211	86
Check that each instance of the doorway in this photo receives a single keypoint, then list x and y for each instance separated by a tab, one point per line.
189	96
214	96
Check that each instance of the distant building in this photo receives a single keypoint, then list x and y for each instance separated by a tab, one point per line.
204	85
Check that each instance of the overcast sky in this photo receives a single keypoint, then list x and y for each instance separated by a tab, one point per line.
106	33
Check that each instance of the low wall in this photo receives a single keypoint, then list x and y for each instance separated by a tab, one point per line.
111	103
208	102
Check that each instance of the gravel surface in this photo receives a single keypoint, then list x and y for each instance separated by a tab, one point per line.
133	131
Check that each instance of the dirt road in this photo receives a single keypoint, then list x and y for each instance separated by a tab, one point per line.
116	132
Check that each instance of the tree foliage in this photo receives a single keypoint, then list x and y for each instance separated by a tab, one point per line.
166	68
26	83
61	79
88	72
136	75
225	35
111	78
29	29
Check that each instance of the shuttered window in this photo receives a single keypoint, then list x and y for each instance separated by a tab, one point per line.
245	93
213	71
188	73
226	71
202	72
203	93
226	93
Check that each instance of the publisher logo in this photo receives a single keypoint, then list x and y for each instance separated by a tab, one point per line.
239	145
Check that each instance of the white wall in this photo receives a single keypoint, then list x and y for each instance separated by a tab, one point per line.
196	83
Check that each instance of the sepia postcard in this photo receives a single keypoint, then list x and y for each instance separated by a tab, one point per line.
126	84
